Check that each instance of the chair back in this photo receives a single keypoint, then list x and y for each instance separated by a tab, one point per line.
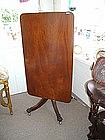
98	70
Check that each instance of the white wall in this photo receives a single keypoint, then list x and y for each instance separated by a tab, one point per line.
46	6
81	74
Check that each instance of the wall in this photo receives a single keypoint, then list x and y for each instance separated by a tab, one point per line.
81	73
46	6
89	38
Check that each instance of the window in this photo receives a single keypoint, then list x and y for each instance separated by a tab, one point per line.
10	12
9	19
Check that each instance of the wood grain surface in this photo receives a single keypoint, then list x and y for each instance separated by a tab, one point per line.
48	54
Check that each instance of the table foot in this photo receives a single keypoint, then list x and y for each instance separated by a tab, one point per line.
38	105
59	118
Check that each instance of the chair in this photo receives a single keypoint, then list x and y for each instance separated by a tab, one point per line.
4	89
95	89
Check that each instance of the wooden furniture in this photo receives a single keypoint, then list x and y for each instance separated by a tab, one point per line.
5	99
48	56
96	91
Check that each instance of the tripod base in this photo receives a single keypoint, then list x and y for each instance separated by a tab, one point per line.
43	101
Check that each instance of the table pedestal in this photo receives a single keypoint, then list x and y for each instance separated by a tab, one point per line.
43	101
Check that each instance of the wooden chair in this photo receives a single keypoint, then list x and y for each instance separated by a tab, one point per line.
95	89
4	90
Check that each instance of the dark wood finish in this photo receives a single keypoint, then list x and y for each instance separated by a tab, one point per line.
38	105
42	102
48	54
96	93
59	118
